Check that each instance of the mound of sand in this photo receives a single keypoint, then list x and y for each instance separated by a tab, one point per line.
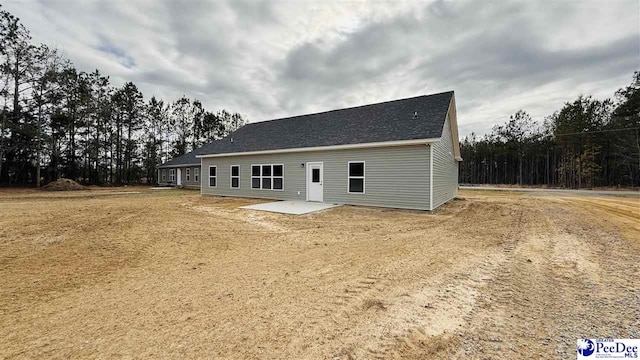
63	185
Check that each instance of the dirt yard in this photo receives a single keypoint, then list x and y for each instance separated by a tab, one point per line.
136	273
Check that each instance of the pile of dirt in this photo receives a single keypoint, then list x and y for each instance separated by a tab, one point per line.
63	185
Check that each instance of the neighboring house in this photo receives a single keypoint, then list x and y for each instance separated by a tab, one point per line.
183	171
399	154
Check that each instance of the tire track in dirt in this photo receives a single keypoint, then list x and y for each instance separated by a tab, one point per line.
439	308
546	295
349	283
458	299
411	322
363	294
628	212
515	308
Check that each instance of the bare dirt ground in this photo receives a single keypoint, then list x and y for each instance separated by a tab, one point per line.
157	274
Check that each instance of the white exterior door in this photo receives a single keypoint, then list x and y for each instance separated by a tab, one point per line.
179	178
315	175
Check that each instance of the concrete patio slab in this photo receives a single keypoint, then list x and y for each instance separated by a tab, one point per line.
291	207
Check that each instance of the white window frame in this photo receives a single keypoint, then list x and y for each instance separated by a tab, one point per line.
196	174
172	175
364	174
188	174
267	177
231	176
164	175
215	177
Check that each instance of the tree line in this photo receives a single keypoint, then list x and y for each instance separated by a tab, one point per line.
587	143
57	121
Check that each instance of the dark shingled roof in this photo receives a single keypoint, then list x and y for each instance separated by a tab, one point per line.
186	159
387	121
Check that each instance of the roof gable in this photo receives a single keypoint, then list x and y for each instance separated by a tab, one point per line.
186	159
414	118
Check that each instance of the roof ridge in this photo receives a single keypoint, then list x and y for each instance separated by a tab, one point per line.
351	107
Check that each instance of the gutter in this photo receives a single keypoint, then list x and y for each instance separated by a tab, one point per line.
178	165
325	148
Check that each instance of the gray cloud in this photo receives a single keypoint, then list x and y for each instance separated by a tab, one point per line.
119	54
487	52
271	59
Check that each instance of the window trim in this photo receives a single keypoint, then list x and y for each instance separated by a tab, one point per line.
231	177
269	177
216	176
172	175
187	174
196	174
164	175
364	175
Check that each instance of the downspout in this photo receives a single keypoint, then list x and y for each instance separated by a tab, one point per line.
430	177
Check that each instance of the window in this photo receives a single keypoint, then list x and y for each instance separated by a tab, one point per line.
267	177
235	176
172	175
188	175
164	175
356	177
278	177
213	176
196	174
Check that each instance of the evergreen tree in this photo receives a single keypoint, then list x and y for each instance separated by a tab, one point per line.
182	122
587	143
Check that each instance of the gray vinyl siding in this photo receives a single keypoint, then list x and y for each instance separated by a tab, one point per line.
445	168
164	182
394	176
192	183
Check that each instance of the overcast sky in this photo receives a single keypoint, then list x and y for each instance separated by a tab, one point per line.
273	59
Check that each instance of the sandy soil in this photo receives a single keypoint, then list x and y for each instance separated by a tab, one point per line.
158	274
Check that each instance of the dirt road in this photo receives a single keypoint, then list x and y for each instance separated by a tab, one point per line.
579	192
172	274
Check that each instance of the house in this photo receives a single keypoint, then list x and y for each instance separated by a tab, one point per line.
398	154
183	171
